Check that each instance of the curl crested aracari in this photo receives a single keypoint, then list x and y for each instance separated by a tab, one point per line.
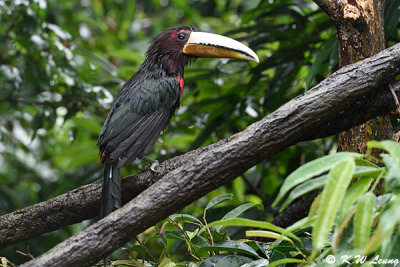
148	100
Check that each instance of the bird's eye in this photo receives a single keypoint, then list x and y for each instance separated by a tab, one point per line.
181	36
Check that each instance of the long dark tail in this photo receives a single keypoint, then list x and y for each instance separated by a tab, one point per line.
111	193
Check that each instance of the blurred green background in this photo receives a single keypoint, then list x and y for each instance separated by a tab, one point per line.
62	61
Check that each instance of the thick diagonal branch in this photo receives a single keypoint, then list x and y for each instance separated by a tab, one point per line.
77	205
340	101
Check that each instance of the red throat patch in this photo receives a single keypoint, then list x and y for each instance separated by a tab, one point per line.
181	84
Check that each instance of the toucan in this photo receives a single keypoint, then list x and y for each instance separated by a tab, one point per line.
147	101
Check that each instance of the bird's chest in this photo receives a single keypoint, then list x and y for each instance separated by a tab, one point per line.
157	94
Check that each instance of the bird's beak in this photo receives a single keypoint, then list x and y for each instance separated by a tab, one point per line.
203	44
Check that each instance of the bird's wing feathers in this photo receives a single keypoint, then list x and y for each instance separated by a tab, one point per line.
137	118
142	138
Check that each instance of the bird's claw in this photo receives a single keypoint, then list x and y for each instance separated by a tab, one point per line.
154	165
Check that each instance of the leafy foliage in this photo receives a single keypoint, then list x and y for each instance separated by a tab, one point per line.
363	226
63	61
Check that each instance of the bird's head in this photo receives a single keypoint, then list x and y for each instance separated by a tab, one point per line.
177	46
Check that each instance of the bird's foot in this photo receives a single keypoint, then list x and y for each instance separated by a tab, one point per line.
153	163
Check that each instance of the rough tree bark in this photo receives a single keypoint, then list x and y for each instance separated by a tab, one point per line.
360	29
320	112
77	205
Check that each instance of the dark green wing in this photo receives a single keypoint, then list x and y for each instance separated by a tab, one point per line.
137	118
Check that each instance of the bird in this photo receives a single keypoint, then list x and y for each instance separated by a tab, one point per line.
147	101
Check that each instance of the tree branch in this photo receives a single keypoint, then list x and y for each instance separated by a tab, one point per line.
77	205
330	7
344	99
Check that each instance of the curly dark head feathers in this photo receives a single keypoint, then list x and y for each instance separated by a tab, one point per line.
165	50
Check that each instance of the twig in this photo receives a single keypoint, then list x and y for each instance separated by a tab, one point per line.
197	257
396	100
209	234
28	254
147	252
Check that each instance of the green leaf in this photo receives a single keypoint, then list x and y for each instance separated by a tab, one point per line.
322	56
238	211
230	245
332	195
388	145
225	261
277	254
184	217
312	169
389	219
315	183
365	163
369	171
284	261
354	193
199	241
314	207
239	187
191	234
257	263
176	235
124	262
307	221
390	250
392	177
363	219
249	223
382	200
167	262
138	248
392	15
263	248
266	234
218	200
304	188
334	57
